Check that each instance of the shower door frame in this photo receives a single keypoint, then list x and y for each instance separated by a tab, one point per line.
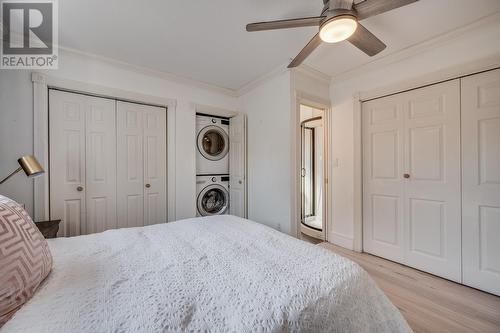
303	215
323	105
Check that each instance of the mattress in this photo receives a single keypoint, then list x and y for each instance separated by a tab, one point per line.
211	274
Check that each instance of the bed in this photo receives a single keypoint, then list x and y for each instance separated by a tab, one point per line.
212	274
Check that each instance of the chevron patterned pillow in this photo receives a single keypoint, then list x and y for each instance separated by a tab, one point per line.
25	259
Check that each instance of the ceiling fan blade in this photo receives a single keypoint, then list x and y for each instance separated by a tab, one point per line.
369	8
366	41
306	51
285	24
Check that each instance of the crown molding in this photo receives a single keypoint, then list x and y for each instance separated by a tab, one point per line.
302	69
282	68
154	73
415	49
445	74
313	73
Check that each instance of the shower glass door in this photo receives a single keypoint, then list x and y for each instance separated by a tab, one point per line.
312	146
307	173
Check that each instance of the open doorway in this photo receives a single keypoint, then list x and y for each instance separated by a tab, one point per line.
313	158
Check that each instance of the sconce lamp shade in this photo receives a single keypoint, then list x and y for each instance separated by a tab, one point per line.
31	166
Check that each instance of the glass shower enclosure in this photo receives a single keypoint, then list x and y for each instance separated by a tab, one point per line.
312	173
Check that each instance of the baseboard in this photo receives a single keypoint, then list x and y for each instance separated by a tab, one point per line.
341	240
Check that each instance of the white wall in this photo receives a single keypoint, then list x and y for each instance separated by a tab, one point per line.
16	132
470	46
268	110
312	88
16	118
272	115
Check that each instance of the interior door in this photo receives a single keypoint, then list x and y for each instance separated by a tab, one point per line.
412	178
481	180
141	168
237	166
100	165
130	165
82	162
67	160
383	187
155	164
432	192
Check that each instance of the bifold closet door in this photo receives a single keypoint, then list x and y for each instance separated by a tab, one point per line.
141	167
82	162
237	166
481	180
411	201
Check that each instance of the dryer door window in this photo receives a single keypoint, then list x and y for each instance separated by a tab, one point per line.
213	200
213	143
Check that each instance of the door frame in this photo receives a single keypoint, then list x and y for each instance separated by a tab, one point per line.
447	74
302	98
41	85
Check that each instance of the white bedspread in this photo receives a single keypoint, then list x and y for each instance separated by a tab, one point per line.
215	274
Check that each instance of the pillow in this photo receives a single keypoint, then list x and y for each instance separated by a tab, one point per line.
25	259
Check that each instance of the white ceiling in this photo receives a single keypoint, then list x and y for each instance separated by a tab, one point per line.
207	41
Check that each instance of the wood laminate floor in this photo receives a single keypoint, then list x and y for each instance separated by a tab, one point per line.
429	303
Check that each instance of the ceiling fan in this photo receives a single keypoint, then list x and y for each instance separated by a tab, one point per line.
339	20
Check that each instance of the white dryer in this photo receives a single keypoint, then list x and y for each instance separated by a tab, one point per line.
212	195
212	143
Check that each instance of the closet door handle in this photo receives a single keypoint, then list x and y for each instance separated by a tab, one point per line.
79	188
406	175
148	185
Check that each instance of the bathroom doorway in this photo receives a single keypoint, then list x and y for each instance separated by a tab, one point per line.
313	210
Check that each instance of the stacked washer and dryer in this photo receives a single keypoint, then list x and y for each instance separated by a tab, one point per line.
212	165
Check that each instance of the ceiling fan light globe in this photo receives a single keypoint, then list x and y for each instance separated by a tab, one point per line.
338	29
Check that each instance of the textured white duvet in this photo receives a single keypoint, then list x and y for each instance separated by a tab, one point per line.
215	274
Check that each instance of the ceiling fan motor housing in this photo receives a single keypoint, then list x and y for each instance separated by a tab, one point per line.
338	13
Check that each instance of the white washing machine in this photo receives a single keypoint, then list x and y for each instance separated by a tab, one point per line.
212	195
212	143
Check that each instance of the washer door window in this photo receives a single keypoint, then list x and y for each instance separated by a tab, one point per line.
213	143
213	200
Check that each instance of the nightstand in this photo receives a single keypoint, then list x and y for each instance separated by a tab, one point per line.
48	229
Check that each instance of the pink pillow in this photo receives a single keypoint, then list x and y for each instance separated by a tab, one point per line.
25	259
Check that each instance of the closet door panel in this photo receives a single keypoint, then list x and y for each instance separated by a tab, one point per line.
411	178
382	174
130	165
100	165
237	166
155	167
481	180
67	160
432	191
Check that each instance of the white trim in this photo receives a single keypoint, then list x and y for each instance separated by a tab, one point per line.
313	73
342	240
246	88
358	177
215	111
40	146
451	73
298	98
237	92
415	49
171	163
302	69
154	73
41	83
